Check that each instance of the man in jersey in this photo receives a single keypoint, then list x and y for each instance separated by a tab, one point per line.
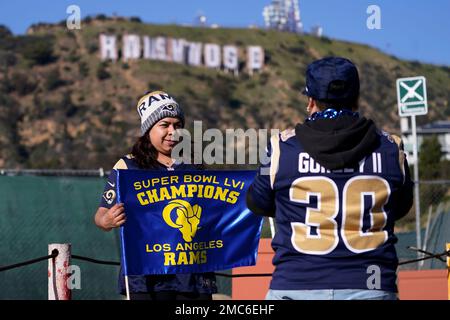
335	185
160	116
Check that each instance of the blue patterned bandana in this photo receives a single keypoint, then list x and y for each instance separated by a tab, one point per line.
331	114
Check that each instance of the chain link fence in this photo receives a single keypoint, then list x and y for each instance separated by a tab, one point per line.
57	208
434	225
42	207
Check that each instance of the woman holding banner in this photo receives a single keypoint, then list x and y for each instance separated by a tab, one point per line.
160	117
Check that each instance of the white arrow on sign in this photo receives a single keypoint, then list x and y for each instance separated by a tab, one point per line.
412	91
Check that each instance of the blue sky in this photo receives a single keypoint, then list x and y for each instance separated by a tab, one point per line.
411	29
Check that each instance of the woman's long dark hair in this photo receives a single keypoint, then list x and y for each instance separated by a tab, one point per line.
144	153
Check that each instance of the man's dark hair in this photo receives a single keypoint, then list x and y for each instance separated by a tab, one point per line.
338	104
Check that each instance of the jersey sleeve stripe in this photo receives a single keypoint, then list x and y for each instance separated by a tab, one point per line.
401	154
275	158
120	165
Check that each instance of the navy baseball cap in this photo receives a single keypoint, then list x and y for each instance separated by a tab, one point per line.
332	79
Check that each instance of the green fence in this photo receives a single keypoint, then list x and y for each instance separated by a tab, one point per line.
36	211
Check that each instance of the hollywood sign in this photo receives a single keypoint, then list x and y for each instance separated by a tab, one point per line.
181	51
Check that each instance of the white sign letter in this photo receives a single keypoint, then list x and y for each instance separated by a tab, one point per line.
255	58
230	58
147	47
131	47
195	54
160	48
212	55
108	48
178	50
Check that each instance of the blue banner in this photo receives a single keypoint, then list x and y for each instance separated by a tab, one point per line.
186	221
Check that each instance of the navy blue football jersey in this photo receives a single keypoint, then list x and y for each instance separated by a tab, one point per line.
335	228
201	282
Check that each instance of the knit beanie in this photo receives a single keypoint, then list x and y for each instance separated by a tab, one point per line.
156	105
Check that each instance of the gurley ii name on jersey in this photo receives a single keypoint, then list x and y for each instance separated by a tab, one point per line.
306	164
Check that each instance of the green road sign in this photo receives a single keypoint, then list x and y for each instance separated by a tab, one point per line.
412	96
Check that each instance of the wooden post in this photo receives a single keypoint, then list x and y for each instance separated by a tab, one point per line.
58	272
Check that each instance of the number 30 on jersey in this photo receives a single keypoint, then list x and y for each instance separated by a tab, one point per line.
323	217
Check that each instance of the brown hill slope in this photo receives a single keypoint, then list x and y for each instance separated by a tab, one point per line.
61	107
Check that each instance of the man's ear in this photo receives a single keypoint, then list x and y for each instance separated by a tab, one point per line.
312	106
309	105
